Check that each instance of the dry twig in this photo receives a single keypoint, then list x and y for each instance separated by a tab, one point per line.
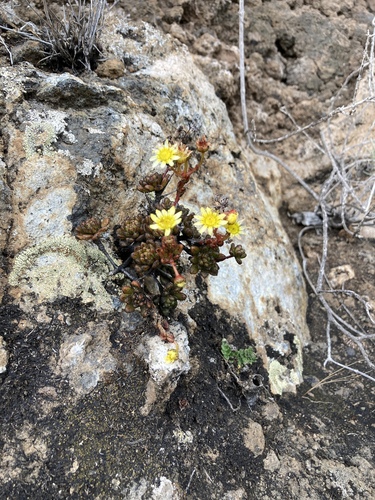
345	200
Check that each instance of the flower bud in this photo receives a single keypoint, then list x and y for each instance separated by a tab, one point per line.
232	216
179	281
202	144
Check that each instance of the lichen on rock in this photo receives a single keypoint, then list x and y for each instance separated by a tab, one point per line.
63	267
39	137
42	130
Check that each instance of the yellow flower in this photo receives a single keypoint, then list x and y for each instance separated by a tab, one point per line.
172	356
235	229
209	220
165	220
232	216
165	155
183	152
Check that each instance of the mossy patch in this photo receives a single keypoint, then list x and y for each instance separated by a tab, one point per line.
63	267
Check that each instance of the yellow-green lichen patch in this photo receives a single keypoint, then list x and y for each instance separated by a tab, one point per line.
38	139
63	267
282	379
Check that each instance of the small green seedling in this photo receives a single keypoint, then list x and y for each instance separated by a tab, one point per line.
240	356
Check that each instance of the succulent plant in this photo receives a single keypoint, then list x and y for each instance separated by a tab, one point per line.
153	183
145	257
151	244
204	259
135	229
237	252
169	299
170	250
91	229
135	298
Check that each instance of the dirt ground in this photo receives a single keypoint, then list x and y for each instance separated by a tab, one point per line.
222	435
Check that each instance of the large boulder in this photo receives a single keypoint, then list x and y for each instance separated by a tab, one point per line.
76	147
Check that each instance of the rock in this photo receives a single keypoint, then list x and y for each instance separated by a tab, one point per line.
340	275
165	491
4	355
81	432
271	411
78	148
54	268
283	379
166	362
239	494
29	50
219	74
207	45
271	462
111	68
254	438
85	357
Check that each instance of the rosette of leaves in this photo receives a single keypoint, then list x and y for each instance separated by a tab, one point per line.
154	183
189	231
146	257
169	298
134	230
170	250
135	298
91	229
237	252
165	204
205	259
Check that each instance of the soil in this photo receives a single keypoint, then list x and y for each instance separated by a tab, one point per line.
222	435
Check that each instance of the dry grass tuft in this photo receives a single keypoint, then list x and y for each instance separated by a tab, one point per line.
70	38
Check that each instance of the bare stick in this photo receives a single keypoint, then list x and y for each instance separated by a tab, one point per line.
227	400
7	49
190	479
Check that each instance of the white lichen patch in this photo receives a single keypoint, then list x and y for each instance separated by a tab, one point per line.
48	215
63	267
12	83
42	131
183	437
53	117
88	167
92	130
283	379
38	139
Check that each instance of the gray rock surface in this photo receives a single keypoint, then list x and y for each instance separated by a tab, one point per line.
92	137
76	148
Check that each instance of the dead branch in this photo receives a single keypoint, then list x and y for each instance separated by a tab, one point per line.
345	198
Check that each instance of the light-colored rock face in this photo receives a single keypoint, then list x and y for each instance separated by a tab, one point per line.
85	357
76	148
